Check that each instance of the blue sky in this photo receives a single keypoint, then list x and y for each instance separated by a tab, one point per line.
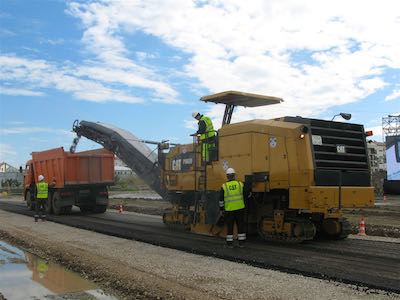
143	65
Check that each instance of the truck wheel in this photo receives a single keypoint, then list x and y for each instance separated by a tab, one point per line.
48	207
100	209
67	209
29	202
86	209
56	203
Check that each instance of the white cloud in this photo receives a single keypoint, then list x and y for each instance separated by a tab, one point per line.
38	140
8	154
19	92
5	32
377	132
144	55
41	74
91	83
252	46
23	130
103	36
190	124
30	130
394	95
6	150
16	122
54	42
110	75
315	55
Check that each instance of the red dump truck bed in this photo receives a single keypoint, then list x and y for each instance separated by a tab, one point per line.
81	168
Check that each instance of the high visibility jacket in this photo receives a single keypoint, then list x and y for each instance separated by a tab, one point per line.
42	190
42	266
209	128
233	195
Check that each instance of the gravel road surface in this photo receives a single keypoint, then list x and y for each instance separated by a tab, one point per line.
138	270
363	262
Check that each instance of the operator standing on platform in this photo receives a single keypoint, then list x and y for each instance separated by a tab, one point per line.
42	193
231	202
207	134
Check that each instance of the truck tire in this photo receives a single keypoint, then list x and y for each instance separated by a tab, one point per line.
29	203
100	209
67	209
48	207
86	209
56	204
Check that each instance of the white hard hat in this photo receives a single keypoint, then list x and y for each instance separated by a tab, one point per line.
195	114
230	171
40	177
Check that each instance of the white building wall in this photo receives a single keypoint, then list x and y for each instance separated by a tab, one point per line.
377	156
121	169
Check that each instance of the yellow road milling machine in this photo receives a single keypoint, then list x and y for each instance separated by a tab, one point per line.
301	172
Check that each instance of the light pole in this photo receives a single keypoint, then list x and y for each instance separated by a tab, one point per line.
345	116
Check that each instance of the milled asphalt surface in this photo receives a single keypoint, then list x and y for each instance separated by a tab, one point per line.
365	263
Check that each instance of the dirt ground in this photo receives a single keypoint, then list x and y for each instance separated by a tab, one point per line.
135	270
381	220
149	207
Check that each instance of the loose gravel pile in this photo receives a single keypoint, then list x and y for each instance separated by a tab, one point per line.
136	270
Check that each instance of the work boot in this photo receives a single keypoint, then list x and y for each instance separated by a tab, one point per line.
43	218
242	244
36	218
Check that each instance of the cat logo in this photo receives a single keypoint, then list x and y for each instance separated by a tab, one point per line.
340	148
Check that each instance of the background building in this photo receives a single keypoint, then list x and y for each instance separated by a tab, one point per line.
391	131
121	169
377	156
10	176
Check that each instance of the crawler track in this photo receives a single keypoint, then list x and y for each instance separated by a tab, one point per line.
364	263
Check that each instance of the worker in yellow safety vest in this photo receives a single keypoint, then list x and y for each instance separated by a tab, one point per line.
42	268
232	207
207	135
42	193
